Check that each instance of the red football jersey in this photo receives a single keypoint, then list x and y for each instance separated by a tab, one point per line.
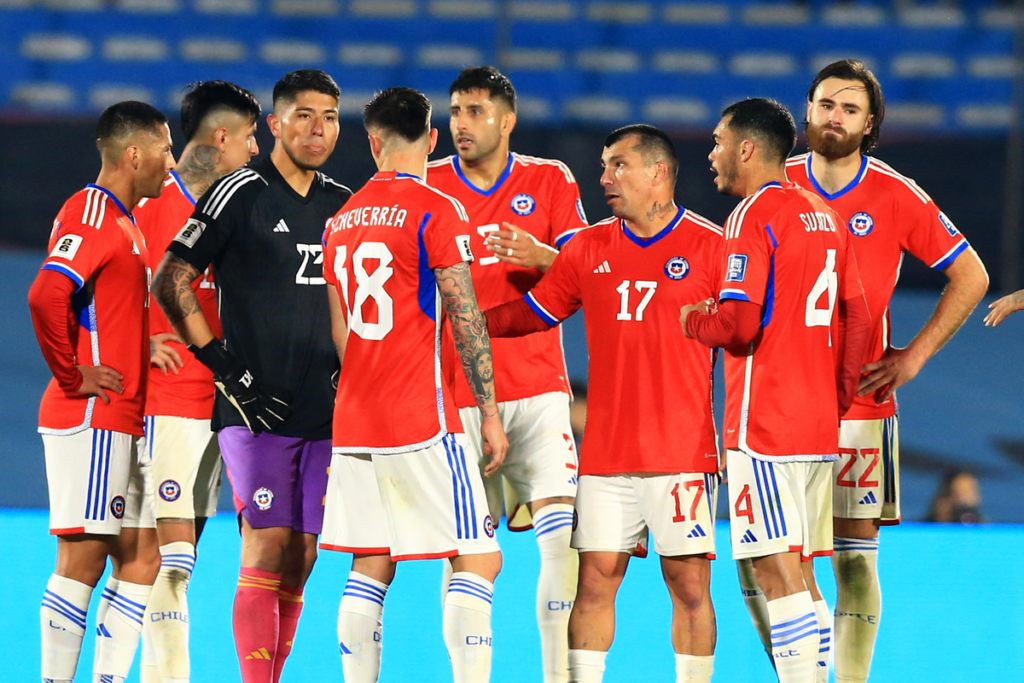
190	392
887	214
649	402
380	252
541	197
785	250
95	243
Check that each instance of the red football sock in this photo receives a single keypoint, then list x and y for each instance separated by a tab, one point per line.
256	623
289	605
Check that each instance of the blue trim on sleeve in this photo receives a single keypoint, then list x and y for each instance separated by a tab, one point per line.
945	263
486	193
853	183
642	242
427	292
564	239
104	190
769	294
66	271
775	242
541	313
739	296
181	186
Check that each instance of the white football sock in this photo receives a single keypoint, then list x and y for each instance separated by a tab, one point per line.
62	625
858	607
824	638
756	603
794	637
694	669
166	620
148	671
467	627
117	633
446	577
360	628
586	666
556	587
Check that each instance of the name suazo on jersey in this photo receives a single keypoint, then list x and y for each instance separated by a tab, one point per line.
785	249
380	253
541	197
190	392
649	406
95	243
886	214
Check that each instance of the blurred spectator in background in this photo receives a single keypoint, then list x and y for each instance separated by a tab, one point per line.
957	500
578	410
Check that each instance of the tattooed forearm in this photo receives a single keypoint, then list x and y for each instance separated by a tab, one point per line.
659	210
469	327
172	287
198	169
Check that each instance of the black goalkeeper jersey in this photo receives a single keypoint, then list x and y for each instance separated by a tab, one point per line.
265	243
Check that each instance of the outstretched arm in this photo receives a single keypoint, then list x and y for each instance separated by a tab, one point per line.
172	287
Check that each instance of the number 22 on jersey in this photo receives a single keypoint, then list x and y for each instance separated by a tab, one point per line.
368	286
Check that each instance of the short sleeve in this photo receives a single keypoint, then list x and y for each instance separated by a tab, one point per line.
216	217
445	236
567	215
748	250
928	233
79	250
557	295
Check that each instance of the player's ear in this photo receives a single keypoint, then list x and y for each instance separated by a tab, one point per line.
274	124
134	156
870	125
376	146
433	141
508	122
747	148
220	137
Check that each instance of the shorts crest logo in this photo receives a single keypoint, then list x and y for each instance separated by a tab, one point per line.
861	223
117	507
264	498
676	268
170	490
575	520
489	526
523	204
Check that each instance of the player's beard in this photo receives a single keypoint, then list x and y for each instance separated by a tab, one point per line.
830	147
302	164
728	171
481	150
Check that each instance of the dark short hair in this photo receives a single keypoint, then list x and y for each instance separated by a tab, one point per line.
402	111
651	142
125	119
854	70
767	120
207	97
486	78
303	80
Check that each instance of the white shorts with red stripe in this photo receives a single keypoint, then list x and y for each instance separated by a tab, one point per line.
779	507
867	474
422	505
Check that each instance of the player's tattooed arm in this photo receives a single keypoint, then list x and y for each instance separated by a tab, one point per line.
172	287
469	327
198	169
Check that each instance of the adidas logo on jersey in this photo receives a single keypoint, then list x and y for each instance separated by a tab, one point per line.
869	499
281	226
696	533
603	268
748	538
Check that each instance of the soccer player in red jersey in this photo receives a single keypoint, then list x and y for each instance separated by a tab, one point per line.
219	123
522	209
649	459
793	321
402	485
89	311
887	215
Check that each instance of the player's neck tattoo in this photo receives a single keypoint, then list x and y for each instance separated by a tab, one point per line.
198	169
659	210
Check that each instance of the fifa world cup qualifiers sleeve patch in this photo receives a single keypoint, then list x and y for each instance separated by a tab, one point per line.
67	247
737	268
191	232
463	243
579	210
948	225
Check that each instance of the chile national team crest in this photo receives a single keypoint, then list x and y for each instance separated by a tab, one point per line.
264	498
489	526
861	223
117	507
676	268
170	490
523	204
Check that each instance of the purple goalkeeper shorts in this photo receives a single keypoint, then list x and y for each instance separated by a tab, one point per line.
277	480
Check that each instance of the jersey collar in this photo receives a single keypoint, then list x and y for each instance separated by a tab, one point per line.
643	242
110	194
181	186
486	193
853	183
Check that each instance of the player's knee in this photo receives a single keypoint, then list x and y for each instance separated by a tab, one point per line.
689	588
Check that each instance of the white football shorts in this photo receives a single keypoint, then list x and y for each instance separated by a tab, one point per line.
422	505
541	461
867	475
779	507
96	483
615	512
187	467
